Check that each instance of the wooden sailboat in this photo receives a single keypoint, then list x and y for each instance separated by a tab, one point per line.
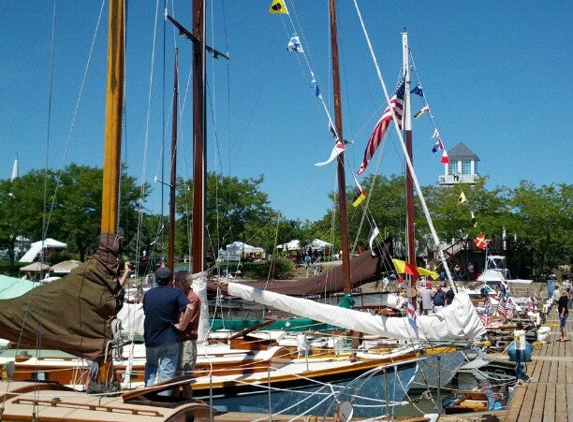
86	302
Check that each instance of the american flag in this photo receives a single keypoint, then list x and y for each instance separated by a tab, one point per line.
396	105
412	319
510	307
485	317
501	308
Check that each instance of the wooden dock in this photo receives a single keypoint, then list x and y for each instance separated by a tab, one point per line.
548	394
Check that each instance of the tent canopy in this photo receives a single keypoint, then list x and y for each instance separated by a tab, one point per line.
65	266
35	267
36	248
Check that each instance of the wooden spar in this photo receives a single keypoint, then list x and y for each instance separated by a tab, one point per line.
113	116
172	184
199	136
340	168
410	223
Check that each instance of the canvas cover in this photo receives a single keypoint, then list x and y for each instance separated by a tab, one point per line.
71	314
363	269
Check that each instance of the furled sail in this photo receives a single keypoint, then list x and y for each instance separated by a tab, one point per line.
71	314
364	268
454	323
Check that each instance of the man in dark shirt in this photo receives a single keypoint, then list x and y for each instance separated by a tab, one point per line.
162	306
439	298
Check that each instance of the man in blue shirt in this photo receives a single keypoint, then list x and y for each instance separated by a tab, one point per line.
162	306
439	298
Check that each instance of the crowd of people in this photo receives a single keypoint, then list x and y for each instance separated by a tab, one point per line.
433	298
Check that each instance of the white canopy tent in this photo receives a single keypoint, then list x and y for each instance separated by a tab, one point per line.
38	246
237	250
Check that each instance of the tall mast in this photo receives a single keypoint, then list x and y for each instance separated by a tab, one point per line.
340	167
199	136
410	224
171	234
113	116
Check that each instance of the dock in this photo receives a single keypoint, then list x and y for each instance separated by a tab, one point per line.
548	394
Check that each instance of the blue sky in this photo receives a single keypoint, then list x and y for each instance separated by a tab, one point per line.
497	77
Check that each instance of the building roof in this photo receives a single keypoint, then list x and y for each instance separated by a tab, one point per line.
461	152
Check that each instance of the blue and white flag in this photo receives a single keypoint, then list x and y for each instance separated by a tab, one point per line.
294	45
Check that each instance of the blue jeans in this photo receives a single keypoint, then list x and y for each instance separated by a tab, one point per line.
161	364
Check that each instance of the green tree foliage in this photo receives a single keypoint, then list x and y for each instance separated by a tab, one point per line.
236	210
65	206
544	223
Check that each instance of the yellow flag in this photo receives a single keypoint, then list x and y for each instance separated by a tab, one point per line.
278	6
462	198
429	273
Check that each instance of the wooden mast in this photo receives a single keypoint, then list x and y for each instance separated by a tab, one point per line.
172	184
340	160
113	116
199	136
410	223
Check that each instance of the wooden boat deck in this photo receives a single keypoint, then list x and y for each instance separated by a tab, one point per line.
548	395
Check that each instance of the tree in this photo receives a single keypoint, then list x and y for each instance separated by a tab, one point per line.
65	206
544	223
235	210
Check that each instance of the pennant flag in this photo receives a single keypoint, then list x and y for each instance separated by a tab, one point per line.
433	274
314	85
426	109
412	319
438	146
336	151
294	45
373	233
462	198
278	6
417	90
396	107
485	317
436	134
360	196
480	241
404	267
445	159
474	220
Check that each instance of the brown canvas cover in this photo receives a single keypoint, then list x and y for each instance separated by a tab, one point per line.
364	268
71	314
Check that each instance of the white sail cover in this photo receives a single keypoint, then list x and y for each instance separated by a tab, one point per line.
456	322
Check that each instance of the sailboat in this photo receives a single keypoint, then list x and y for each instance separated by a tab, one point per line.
76	314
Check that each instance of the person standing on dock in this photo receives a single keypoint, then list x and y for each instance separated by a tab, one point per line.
563	313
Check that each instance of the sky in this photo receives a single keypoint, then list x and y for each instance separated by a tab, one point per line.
497	76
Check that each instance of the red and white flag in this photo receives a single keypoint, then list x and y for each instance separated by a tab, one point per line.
396	108
336	151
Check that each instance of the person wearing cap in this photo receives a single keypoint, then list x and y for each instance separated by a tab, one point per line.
163	306
427	299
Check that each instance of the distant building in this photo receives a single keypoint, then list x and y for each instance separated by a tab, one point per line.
462	167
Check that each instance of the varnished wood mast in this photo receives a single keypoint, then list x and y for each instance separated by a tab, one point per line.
113	118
